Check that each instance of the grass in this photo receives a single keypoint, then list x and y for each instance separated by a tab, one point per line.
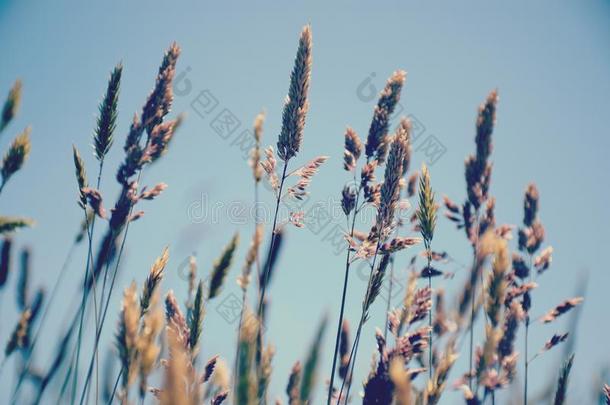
158	340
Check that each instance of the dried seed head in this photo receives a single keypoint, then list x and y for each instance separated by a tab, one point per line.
390	189
160	136
23	300
402	382
220	398
20	338
17	154
344	350
5	260
81	176
436	386
255	152
412	184
209	369
404	130
305	174
106	121
543	261
375	285
251	257
486	360
348	199
265	370
513	316
160	99
486	120
94	198
177	372
520	269
426	212
496	286
297	103
353	149
411	344
530	204
148	349
153	192
294	382
195	319
10	224
399	243
269	165
561	309
531	237
11	105
554	341
221	267
478	169
562	382
126	338
176	322
376	142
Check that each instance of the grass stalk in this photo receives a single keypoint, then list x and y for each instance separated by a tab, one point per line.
90	231
267	270
342	310
473	303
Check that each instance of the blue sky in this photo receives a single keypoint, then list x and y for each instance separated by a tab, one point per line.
549	61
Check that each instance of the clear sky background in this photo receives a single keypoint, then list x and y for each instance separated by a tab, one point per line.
550	61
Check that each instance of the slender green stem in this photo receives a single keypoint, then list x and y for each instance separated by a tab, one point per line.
342	311
237	351
105	312
527	327
85	293
474	297
116	385
271	246
526	363
430	321
83	305
389	301
354	355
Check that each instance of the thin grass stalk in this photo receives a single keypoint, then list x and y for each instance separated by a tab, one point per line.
343	296
385	215
82	311
474	294
430	326
354	354
271	245
85	293
526	362
103	139
237	350
103	318
527	327
426	215
389	301
116	385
